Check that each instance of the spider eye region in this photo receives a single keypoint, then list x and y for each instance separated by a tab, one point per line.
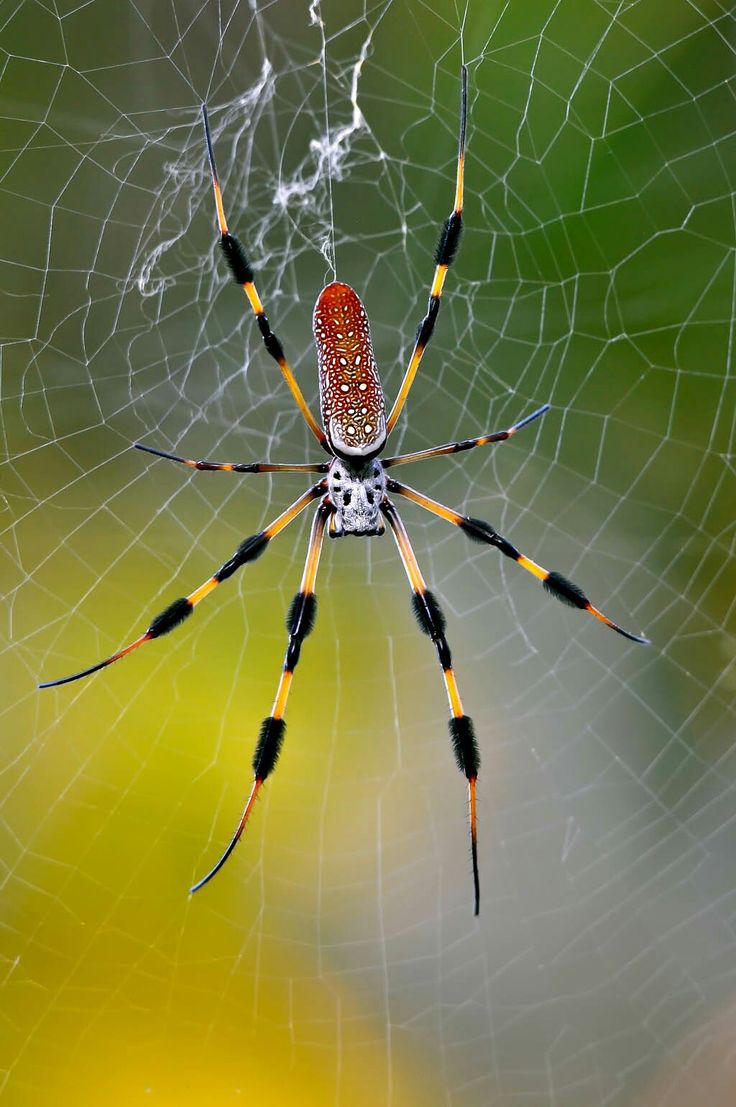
356	496
351	397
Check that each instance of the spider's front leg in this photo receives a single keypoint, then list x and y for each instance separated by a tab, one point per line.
432	623
242	272
444	256
299	623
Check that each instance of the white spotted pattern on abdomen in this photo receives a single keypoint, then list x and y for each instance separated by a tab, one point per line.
351	397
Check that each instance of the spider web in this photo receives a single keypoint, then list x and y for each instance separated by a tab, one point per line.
335	959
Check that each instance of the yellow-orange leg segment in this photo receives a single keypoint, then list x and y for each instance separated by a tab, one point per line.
299	623
558	586
459	447
237	466
242	272
444	256
432	623
248	550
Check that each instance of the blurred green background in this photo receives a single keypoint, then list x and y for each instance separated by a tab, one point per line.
335	959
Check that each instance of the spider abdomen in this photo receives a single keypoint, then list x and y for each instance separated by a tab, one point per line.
351	397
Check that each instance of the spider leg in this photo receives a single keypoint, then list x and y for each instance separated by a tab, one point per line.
554	583
248	550
458	447
432	623
242	272
444	255
299	623
237	466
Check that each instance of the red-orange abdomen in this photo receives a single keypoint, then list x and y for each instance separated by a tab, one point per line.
351	397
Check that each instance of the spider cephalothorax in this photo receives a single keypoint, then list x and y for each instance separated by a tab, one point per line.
356	493
353	490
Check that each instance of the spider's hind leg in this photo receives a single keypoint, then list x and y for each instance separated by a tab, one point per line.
432	622
299	623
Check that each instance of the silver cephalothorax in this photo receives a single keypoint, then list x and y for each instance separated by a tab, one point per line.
356	494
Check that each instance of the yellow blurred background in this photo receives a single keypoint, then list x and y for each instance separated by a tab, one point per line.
335	958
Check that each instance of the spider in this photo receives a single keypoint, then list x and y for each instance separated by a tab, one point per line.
353	489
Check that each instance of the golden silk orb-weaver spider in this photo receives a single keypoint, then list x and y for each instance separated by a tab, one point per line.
354	490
